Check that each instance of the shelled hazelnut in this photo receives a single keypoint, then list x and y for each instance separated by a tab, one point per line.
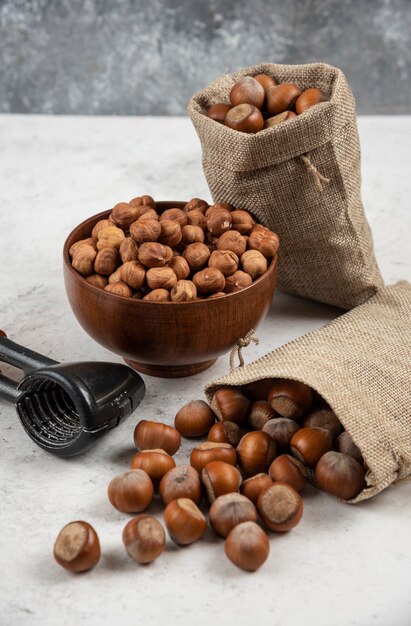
156	463
77	547
180	255
156	435
144	538
184	521
131	492
280	507
260	102
247	546
229	510
181	482
194	419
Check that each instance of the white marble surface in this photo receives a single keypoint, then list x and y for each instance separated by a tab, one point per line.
341	565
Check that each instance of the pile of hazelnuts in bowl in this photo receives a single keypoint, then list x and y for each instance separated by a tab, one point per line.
264	441
177	255
259	102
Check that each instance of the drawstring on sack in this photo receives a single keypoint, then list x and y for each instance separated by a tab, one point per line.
318	177
243	342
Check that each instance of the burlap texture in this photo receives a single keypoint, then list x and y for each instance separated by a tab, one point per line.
360	363
326	251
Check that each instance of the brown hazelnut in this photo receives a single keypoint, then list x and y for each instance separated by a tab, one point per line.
280	507
119	289
194	419
114	277
210	451
287	469
156	435
309	444
158	295
196	204
260	413
143	201
77	547
282	430
254	263
220	478
253	486
217	111
161	278
106	261
340	474
180	267
128	250
145	230
230	405
309	98
245	118
209	280
324	418
90	241
110	237
243	222
98	227
256	451
258	390
171	234
226	206
97	280
265	81
144	538
196	255
345	444
153	254
265	241
237	281
281	98
131	492
247	546
229	510
133	274
279	119
181	482
184	291
290	398
213	296
184	521
224	260
176	215
192	234
124	214
196	218
219	221
83	260
247	90
233	241
225	432
155	462
147	215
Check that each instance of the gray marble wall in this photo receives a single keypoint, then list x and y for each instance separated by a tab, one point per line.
147	57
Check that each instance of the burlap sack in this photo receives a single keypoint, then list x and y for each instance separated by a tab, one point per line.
361	364
279	174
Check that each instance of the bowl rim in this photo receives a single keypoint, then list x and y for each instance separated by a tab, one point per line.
169	204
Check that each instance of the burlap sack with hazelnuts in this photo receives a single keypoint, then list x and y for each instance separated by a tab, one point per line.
360	364
300	178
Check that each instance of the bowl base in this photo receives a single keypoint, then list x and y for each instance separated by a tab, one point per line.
170	371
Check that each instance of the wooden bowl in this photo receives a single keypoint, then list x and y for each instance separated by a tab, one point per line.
167	339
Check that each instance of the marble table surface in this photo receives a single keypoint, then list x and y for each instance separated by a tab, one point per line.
342	565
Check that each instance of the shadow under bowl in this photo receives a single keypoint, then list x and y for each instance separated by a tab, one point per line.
165	339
